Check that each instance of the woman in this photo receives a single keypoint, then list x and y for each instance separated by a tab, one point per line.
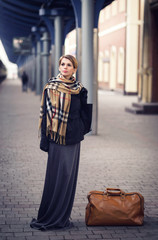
63	125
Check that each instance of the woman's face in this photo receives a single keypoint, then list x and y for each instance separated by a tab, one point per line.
66	68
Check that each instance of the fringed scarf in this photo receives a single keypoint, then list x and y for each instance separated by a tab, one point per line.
58	100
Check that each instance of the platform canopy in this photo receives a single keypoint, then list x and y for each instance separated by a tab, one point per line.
18	17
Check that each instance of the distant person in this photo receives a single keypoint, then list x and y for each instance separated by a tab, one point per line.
63	126
25	79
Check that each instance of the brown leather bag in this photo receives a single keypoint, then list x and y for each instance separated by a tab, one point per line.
114	207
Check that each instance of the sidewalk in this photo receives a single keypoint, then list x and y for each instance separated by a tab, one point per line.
123	155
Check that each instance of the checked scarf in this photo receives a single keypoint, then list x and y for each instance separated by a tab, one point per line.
58	100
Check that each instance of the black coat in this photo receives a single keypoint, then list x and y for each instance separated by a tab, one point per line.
79	121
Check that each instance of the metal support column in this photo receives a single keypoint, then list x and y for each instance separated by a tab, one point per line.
53	60
38	69
58	42
33	68
50	26
45	57
88	72
95	82
77	10
79	51
87	46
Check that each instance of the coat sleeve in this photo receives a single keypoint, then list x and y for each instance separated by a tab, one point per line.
84	94
86	111
44	143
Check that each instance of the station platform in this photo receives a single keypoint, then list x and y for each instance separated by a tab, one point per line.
123	155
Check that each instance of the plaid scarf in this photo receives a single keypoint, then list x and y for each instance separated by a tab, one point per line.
58	100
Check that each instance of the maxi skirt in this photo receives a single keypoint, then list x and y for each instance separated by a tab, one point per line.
59	188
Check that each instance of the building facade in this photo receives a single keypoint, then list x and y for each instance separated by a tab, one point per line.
120	34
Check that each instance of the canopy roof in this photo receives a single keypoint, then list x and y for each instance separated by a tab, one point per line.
18	17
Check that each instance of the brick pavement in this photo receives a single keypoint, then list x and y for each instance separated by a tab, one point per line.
124	155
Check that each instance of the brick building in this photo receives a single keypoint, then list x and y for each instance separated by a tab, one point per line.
120	33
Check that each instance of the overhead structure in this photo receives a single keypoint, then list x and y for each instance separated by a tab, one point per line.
45	24
18	17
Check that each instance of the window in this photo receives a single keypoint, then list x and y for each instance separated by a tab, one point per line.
121	65
106	66
121	5
101	16
100	67
107	12
113	65
114	7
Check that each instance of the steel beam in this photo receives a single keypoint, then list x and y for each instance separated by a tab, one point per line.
58	42
38	68
45	58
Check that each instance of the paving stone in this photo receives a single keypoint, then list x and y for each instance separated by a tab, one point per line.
111	238
107	236
94	236
103	231
133	238
69	237
16	238
56	237
127	235
39	238
7	229
42	233
22	234
6	234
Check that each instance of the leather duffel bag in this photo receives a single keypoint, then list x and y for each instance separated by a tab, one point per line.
114	207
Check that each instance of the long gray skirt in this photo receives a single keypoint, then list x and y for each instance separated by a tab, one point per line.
59	188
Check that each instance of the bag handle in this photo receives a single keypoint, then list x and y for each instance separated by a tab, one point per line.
114	191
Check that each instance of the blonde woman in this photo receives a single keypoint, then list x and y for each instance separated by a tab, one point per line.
63	123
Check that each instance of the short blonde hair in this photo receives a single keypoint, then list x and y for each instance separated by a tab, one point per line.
71	58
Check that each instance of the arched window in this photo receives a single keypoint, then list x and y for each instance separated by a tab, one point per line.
121	65
106	66
121	5
100	67
114	8
101	16
107	12
113	65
